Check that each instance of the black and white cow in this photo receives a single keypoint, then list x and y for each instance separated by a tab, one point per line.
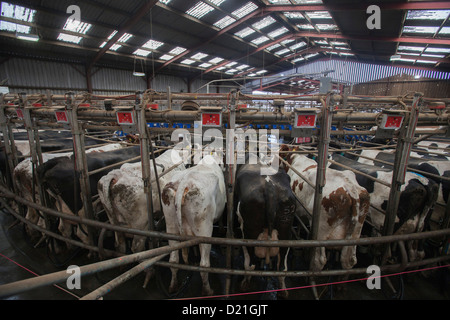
23	177
192	201
265	207
418	196
59	178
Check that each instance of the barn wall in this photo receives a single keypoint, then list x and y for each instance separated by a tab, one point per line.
402	84
36	76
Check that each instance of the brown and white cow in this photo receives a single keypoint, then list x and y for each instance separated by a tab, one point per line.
192	201
343	210
122	194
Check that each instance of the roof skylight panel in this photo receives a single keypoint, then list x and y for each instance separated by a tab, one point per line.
297	45
165	1
177	51
427	14
273	47
433	55
224	22
77	26
260	40
278	32
279	1
261	71
231	64
166	57
419	29
411	48
220	68
199	10
244	32
308	1
199	56
445	30
244	10
205	65
425	61
216	60
305	26
242	66
443	50
311	55
284	42
231	71
326	26
187	61
152	44
267	21
338	43
293	15
282	51
69	38
318	15
141	52
19	13
321	42
217	2
298	59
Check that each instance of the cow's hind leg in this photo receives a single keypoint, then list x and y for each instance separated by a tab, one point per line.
173	287
205	250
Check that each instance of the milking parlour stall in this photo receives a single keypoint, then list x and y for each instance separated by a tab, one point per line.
227	197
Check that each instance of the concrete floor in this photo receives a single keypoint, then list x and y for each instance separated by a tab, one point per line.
424	286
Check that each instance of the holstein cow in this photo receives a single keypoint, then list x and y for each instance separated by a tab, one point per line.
59	179
121	192
192	201
23	177
436	170
343	209
418	195
265	208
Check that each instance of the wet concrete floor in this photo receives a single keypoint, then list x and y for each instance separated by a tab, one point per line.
14	248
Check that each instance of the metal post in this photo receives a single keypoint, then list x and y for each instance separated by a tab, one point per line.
324	141
35	152
81	168
145	157
10	155
404	144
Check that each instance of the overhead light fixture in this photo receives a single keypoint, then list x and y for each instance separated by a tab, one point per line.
138	73
28	37
395	57
417	76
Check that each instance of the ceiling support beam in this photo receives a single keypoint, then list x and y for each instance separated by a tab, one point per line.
140	13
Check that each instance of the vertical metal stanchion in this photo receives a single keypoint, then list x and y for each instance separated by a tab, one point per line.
8	145
231	175
145	157
404	144
35	151
81	169
322	160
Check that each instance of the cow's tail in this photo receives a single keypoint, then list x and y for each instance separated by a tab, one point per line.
104	191
180	198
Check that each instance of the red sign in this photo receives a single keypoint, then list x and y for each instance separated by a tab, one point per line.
125	118
303	140
61	117
306	121
391	122
212	119
19	113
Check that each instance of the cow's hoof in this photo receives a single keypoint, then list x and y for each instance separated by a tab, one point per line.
282	294
207	292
